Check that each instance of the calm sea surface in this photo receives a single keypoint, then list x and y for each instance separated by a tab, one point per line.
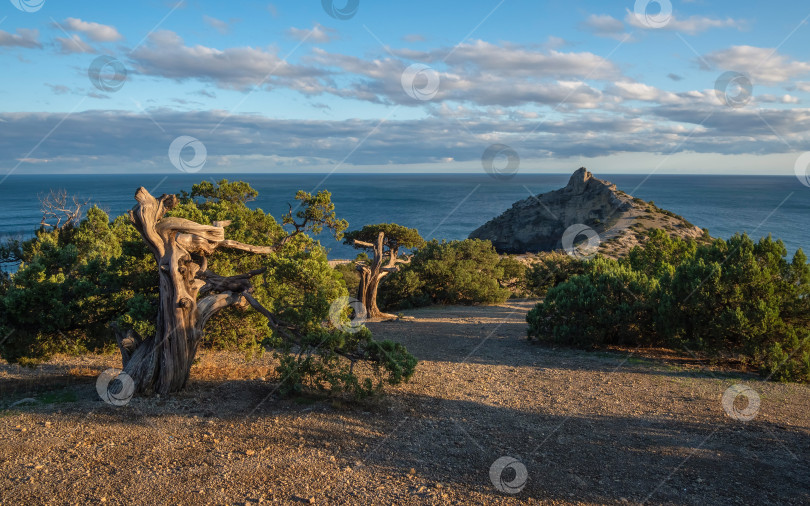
444	206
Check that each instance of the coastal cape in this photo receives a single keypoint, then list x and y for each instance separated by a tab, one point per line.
539	222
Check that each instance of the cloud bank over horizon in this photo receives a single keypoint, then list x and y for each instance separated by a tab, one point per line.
289	88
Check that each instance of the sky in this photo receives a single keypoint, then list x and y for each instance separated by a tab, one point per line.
499	86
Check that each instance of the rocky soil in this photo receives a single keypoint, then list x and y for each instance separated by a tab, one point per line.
590	428
619	221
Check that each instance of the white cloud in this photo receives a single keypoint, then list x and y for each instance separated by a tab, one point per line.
692	25
763	65
166	55
130	141
773	99
318	34
73	44
414	37
604	25
94	31
222	27
23	38
512	60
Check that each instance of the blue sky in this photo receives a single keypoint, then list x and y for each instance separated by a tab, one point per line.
620	86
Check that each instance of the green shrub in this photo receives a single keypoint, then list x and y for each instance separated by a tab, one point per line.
608	304
455	272
734	297
72	283
514	276
350	277
550	271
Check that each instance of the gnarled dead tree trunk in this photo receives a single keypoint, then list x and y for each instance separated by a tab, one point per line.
161	363
381	264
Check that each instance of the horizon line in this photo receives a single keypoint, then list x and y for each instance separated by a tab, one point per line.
331	174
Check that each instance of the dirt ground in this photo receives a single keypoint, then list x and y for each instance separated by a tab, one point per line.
588	428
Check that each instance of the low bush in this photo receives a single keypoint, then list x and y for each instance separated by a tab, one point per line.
551	270
733	297
454	272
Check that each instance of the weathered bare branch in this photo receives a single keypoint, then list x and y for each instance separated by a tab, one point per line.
57	207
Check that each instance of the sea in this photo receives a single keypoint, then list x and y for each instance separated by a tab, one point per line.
441	206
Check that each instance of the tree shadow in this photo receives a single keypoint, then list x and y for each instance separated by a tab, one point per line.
413	442
497	336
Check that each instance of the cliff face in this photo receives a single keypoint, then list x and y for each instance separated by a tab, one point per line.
538	223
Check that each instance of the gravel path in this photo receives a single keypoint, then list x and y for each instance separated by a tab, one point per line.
588	428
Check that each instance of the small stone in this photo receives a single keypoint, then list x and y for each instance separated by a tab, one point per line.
412	471
250	452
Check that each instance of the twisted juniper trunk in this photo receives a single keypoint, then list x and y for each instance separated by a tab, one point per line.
161	363
382	263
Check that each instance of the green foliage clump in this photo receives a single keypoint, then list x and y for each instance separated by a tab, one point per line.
735	296
319	364
348	271
71	283
551	270
514	276
454	272
396	236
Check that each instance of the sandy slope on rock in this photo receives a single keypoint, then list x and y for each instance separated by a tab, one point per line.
589	428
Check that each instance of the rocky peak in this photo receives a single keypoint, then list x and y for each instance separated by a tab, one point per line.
538	223
579	180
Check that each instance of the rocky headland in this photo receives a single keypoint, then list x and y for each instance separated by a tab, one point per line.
538	223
